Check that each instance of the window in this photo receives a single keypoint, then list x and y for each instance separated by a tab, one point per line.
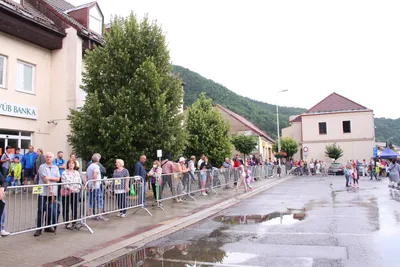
95	24
3	64
25	77
346	127
322	128
96	20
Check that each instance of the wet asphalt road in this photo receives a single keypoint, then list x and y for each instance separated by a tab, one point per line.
305	222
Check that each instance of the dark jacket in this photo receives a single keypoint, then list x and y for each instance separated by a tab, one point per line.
3	182
207	165
140	170
38	161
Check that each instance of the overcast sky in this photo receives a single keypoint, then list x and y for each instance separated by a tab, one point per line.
311	48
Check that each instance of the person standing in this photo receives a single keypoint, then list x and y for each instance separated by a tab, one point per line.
5	160
228	172
3	187
40	159
96	199
206	174
121	186
155	178
48	174
167	170
242	177
60	162
394	174
28	164
140	170
15	173
70	192
73	157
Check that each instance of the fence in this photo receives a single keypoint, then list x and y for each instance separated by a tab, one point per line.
32	207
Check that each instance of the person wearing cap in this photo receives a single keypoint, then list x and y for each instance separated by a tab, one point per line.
180	170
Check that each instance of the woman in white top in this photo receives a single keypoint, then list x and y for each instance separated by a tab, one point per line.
70	192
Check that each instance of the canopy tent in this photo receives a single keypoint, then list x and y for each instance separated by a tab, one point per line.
388	154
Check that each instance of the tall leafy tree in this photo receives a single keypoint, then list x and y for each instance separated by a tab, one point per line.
207	132
288	145
245	144
133	103
333	151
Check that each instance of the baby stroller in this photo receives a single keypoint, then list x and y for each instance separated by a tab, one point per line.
296	171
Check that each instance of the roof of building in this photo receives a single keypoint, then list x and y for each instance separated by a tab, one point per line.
28	11
63	7
296	119
91	4
336	103
58	8
246	122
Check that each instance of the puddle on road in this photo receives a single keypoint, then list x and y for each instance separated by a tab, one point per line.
201	252
289	217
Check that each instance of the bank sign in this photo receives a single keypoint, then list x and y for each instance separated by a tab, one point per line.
18	110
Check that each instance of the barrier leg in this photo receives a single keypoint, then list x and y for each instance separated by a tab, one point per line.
83	222
142	199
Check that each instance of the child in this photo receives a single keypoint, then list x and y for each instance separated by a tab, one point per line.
14	173
355	178
347	175
248	179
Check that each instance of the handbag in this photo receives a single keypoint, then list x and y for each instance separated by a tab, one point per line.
65	192
132	191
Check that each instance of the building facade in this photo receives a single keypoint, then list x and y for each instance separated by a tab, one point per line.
240	125
42	44
335	119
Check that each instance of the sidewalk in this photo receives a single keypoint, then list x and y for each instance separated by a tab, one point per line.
26	250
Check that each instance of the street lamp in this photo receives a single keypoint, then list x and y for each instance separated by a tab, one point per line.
277	123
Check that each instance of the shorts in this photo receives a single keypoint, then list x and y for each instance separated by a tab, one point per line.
96	196
28	174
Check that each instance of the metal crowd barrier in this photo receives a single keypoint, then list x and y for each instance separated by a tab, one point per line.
30	208
131	259
112	195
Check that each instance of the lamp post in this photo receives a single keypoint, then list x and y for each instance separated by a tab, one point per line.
277	123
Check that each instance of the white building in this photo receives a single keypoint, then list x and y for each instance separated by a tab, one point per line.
42	44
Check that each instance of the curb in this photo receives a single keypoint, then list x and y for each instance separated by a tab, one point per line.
111	252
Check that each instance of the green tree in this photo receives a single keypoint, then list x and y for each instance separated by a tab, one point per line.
288	145
333	151
207	132
245	144
133	103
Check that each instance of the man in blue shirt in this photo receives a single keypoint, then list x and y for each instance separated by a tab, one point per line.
28	162
60	162
141	171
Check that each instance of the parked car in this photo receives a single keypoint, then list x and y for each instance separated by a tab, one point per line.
336	169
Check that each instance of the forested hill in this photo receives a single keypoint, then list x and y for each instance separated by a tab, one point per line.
262	114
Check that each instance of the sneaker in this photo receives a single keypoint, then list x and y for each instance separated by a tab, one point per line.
123	215
204	194
101	218
4	233
119	214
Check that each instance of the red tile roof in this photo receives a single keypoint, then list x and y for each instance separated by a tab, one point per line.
243	120
62	7
28	11
336	103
